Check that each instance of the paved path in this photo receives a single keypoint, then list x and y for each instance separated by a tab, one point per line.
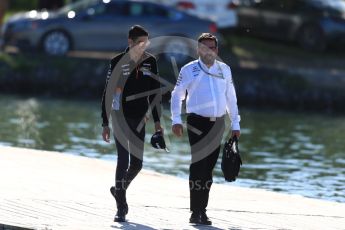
48	190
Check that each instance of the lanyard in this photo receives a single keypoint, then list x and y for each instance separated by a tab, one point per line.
137	68
221	76
137	65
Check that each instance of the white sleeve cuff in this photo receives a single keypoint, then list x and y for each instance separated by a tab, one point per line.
176	120
235	126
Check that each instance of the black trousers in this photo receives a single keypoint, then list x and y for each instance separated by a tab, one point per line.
205	138
130	149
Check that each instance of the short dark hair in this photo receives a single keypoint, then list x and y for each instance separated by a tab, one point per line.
207	36
137	31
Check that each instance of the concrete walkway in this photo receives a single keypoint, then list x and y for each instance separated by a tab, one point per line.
48	190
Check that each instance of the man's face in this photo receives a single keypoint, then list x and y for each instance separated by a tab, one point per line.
208	51
139	45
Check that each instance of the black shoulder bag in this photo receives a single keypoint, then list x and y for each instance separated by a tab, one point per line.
231	159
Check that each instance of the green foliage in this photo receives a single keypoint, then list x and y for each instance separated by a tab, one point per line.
22	4
28	63
19	63
8	14
252	47
278	54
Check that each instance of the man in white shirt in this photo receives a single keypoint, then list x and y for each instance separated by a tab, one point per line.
210	94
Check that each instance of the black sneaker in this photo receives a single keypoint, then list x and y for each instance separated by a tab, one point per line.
199	217
120	215
122	206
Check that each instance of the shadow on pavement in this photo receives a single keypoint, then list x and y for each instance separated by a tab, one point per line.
11	227
132	225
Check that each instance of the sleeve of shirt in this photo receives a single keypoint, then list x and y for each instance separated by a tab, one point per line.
231	101
105	115
178	95
156	98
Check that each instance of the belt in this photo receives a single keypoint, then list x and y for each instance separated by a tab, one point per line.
206	118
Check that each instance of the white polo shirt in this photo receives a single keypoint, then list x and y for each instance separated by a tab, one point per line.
211	92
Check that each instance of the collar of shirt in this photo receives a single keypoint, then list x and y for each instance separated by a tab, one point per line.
204	66
214	71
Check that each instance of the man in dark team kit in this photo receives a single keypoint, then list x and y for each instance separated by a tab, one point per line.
132	87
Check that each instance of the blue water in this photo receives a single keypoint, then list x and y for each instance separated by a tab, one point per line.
295	153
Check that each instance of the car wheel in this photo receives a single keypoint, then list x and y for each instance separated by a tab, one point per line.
311	37
56	43
176	48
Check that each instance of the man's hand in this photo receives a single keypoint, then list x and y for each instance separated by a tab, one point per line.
236	133
177	130
106	134
158	127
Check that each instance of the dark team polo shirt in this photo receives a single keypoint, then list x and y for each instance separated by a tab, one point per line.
138	83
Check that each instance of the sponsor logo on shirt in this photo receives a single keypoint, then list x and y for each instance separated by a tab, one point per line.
179	79
146	69
195	71
125	70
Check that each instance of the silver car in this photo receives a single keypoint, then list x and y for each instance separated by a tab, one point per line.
100	25
222	12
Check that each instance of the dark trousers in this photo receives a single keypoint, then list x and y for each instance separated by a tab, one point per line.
205	138
130	149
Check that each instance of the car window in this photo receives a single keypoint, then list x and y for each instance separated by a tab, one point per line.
78	6
279	5
106	9
289	5
175	15
267	4
136	9
133	9
154	10
96	10
115	9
